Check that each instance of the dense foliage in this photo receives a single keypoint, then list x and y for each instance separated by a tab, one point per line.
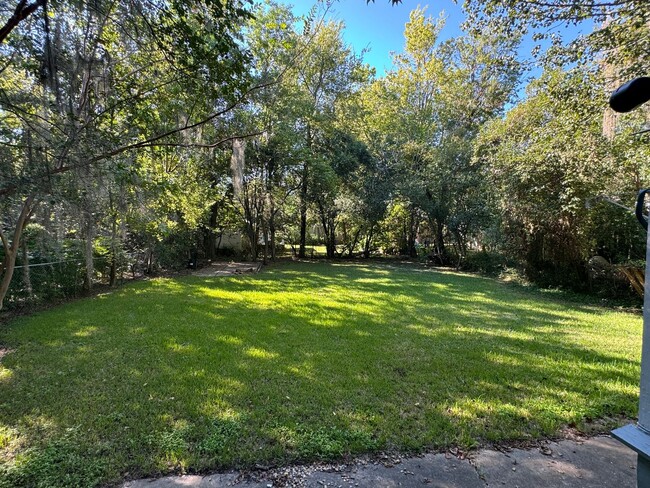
136	136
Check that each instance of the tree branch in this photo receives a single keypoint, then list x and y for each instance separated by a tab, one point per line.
146	143
23	10
5	243
60	167
25	214
204	146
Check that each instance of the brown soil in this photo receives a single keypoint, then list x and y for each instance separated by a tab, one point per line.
228	269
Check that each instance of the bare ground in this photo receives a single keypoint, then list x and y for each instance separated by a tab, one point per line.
229	269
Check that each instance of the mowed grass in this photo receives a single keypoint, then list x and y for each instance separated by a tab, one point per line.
300	362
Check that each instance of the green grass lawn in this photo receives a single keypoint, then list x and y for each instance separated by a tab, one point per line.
300	362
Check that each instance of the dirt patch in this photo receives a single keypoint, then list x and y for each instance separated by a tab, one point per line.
4	351
229	269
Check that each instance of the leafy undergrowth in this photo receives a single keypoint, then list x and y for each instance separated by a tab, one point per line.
300	362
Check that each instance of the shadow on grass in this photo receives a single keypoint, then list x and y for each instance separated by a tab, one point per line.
299	363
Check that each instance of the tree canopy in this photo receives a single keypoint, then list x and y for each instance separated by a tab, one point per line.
138	136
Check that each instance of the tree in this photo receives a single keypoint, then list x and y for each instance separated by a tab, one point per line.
432	106
268	177
545	161
81	89
621	39
342	160
331	72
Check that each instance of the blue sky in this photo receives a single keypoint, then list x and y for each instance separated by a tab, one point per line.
380	26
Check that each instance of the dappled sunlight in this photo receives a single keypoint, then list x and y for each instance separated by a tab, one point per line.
304	370
175	346
5	374
487	332
104	295
86	331
228	339
469	408
615	387
313	360
222	294
504	359
259	353
135	373
385	282
226	386
164	284
355	418
225	414
9	439
424	330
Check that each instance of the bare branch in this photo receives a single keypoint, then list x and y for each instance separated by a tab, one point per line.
146	143
155	140
23	10
204	146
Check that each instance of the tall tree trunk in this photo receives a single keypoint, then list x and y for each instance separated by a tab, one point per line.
8	266
211	237
354	243
331	249
256	240
272	234
113	271
57	221
112	277
272	229
266	245
412	234
327	222
11	248
149	261
440	242
27	280
366	246
252	234
88	251
303	211
303	197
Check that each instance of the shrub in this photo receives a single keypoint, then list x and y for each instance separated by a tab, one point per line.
490	263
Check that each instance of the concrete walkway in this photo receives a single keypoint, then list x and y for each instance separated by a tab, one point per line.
596	462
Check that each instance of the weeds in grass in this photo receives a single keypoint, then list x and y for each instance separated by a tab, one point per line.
63	462
301	362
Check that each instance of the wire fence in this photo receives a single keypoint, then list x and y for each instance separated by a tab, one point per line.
49	264
49	280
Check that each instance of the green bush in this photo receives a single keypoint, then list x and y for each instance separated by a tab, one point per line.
51	277
489	263
173	252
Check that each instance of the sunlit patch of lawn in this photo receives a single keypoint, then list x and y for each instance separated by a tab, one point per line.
300	362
